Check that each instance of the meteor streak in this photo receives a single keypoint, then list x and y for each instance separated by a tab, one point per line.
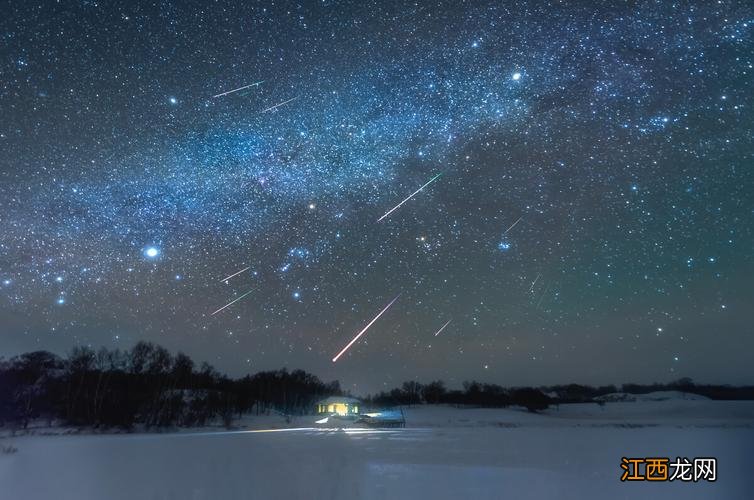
535	281
442	327
364	330
409	197
236	274
238	89
279	104
513	225
232	302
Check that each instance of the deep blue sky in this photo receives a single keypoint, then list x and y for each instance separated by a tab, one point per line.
615	140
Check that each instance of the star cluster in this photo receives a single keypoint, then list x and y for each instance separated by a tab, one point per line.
593	219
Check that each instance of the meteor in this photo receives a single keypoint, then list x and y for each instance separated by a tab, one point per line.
238	89
535	282
409	197
364	330
279	104
232	302
513	225
236	274
442	327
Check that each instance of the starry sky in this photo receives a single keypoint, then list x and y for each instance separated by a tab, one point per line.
591	221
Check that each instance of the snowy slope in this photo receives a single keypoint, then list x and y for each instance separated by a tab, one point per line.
450	453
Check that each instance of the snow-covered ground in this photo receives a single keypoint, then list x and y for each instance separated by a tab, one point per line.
569	452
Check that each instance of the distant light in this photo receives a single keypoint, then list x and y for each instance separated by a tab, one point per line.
296	295
60	301
6	282
173	100
504	245
312	206
516	76
151	252
59	279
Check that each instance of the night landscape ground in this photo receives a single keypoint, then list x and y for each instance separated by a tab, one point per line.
571	453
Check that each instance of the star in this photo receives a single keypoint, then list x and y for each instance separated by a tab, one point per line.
151	252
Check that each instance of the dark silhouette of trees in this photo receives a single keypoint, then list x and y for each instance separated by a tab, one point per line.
532	399
144	386
480	394
150	387
434	392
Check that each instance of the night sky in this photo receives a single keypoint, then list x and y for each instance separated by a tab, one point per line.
591	222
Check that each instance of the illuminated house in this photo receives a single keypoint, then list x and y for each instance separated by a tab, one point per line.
340	405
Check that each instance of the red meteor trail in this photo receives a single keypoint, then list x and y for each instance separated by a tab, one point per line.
409	197
364	330
442	327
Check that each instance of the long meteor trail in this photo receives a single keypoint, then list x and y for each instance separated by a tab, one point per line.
513	225
278	105
442	327
364	330
236	274
535	282
232	302
433	179
238	89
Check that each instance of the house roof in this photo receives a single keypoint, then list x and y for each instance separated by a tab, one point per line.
338	399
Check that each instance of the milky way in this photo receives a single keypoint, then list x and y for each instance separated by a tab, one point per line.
593	219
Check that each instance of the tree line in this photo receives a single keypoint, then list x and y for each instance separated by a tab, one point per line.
539	398
148	386
145	385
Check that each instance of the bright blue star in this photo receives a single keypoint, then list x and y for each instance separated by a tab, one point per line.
504	246
516	76
151	252
173	100
296	295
